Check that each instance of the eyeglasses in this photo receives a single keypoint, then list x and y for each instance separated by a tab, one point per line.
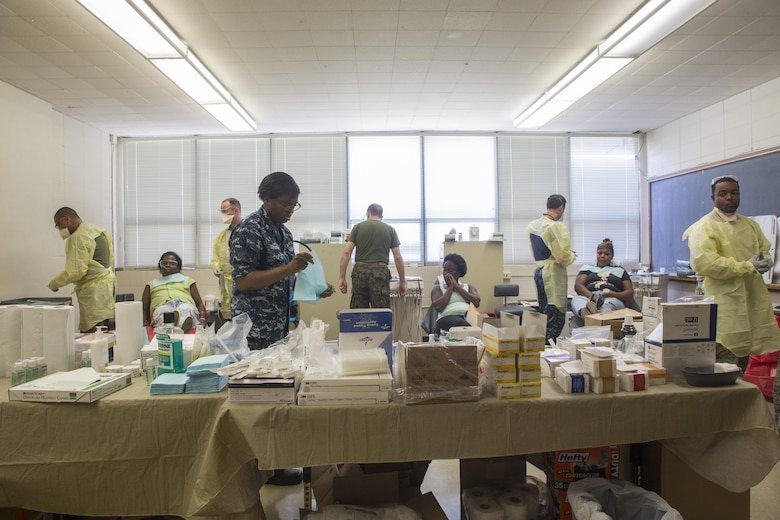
295	206
724	178
170	263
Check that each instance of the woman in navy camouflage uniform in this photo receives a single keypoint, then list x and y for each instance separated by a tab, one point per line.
264	262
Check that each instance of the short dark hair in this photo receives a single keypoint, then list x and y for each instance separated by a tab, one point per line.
606	244
170	253
725	178
555	201
233	203
459	262
277	184
65	212
375	209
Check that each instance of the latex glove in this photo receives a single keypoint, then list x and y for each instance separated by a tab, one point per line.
217	272
760	263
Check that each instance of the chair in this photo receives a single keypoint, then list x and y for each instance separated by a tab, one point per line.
504	290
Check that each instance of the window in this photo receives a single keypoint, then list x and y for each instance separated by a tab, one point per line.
427	186
604	200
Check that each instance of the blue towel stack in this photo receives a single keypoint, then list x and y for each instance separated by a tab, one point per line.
168	383
201	379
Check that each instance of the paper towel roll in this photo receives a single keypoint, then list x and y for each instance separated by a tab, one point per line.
475	494
367	361
486	509
129	332
10	337
516	506
47	330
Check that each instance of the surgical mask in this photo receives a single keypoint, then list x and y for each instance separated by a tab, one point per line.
64	233
226	218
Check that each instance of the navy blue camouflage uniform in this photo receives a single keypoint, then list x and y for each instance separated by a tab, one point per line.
258	244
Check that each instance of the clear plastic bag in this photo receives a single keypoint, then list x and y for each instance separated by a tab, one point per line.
602	499
231	338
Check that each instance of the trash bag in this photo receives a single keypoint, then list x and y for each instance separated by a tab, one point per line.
310	282
602	499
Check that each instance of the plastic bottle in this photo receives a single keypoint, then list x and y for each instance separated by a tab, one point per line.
43	367
86	358
629	332
99	354
170	346
18	375
34	368
28	369
151	370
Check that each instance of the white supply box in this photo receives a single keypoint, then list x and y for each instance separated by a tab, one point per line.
82	385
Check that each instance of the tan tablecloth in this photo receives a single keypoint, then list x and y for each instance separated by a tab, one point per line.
197	455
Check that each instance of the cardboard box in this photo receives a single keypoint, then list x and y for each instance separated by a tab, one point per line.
656	375
521	390
604	385
377	489
613	319
439	372
314	382
82	385
367	328
475	317
675	356
262	390
686	322
573	377
651	306
600	361
501	335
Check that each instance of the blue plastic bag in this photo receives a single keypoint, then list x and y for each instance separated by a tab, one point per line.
310	282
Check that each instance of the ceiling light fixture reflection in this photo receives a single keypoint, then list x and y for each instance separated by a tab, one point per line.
140	26
652	22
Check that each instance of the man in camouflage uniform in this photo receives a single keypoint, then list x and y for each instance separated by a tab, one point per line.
372	241
264	262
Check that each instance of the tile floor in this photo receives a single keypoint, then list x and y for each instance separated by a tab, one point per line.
283	503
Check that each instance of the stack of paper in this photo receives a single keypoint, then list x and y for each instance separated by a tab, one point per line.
200	376
169	383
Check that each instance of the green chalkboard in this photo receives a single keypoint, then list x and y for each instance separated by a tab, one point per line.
677	202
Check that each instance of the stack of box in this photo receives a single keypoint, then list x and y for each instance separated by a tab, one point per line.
367	328
84	342
684	338
573	377
565	466
601	363
613	320
512	360
319	389
280	390
439	372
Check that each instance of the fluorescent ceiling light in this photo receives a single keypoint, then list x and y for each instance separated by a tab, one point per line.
181	72
652	22
140	26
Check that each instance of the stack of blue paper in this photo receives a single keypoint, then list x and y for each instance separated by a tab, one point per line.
168	383
201	379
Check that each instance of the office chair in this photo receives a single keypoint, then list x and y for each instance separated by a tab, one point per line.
505	290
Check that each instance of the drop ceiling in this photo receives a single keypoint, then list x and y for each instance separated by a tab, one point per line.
316	66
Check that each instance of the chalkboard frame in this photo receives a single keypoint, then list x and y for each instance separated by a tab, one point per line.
679	200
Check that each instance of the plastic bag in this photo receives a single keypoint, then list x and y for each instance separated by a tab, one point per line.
201	345
602	499
761	371
310	282
231	338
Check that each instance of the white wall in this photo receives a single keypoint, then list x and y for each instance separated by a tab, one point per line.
739	125
47	161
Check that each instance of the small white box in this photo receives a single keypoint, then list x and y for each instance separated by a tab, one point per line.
632	380
651	306
604	385
675	356
573	377
600	361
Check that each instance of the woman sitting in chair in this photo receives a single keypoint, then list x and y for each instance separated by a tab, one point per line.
601	288
172	292
450	297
